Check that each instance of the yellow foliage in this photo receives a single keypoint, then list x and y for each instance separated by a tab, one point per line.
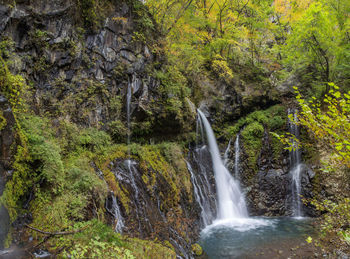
329	125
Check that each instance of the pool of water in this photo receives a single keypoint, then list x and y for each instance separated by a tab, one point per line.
239	238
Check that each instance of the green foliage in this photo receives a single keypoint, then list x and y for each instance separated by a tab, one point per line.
252	129
88	8
335	223
221	68
318	42
21	182
252	137
164	161
172	105
93	139
3	121
12	86
6	47
96	241
327	121
200	31
44	153
331	125
118	131
57	170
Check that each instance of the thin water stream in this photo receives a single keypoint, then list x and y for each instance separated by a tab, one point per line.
295	164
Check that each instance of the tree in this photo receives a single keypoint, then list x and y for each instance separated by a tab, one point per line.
330	128
329	125
318	40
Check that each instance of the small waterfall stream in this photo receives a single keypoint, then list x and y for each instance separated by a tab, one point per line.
231	203
295	164
117	216
128	107
206	212
226	154
129	164
237	153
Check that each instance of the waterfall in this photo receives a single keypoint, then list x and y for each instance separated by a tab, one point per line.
117	215
295	164
231	203
128	106
206	215
227	153
237	153
200	167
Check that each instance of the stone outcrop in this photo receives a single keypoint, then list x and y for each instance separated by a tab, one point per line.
268	188
81	74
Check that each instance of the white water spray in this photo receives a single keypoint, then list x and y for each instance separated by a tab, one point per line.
231	203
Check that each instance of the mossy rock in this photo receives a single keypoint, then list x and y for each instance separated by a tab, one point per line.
197	249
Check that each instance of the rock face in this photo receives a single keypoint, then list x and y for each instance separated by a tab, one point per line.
6	142
81	74
161	209
269	188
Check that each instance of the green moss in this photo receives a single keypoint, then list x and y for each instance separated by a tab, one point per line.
197	249
149	249
7	46
89	13
12	86
155	161
3	121
117	130
277	149
252	138
252	128
54	163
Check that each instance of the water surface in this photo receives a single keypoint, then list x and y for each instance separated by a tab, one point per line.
241	238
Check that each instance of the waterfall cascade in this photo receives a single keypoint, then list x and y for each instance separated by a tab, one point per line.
128	106
201	198
226	154
129	164
117	216
295	164
231	203
237	153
